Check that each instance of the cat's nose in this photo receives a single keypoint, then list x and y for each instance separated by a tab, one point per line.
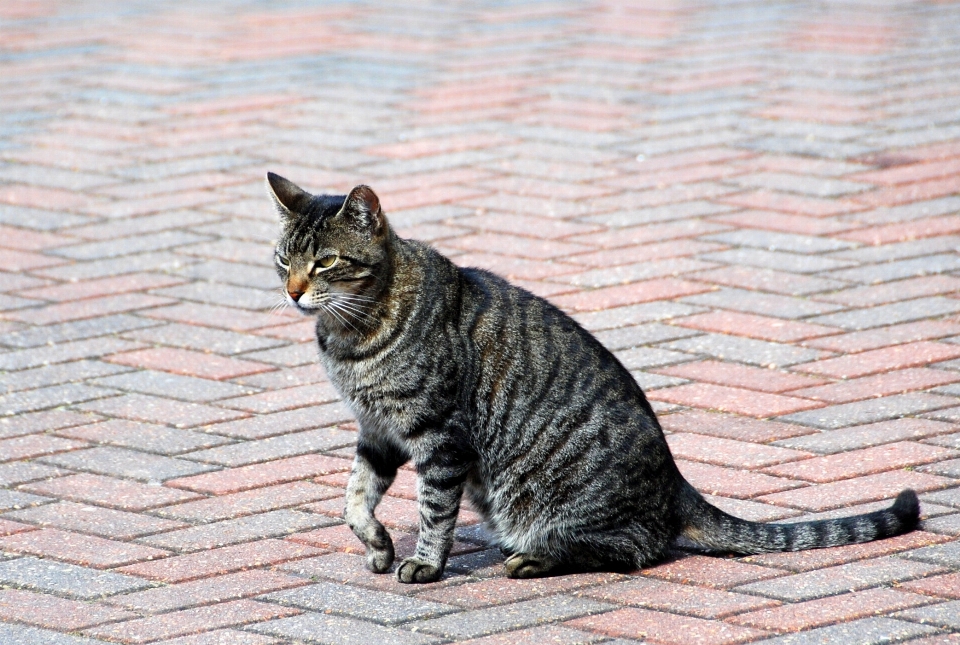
295	295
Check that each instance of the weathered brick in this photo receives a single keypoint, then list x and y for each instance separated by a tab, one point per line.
869	488
110	492
56	613
667	628
691	600
66	579
105	522
233	480
120	462
79	549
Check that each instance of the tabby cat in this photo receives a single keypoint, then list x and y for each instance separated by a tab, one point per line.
494	392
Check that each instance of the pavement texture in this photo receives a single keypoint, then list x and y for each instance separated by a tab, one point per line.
754	204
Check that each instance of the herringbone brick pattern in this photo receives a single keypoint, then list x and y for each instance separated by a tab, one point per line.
755	204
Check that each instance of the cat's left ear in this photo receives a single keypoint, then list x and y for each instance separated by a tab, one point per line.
362	211
288	198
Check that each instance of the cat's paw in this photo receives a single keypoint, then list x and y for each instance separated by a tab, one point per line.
413	570
379	560
524	565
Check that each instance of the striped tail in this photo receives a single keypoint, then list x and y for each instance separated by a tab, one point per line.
710	527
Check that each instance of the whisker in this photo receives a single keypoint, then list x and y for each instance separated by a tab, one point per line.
353	310
326	307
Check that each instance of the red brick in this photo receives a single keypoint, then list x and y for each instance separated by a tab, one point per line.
108	491
662	179
761	280
89	308
860	341
794	204
498	591
191	313
754	326
666	629
785	223
847	492
644	252
190	621
801	616
289	398
232	480
878	294
530	226
945	586
912	192
191	363
108	286
44	421
703	602
628	294
885	359
552	634
77	548
732	399
242	584
708	571
866	461
8	527
822	558
910	173
181	568
26	240
159	410
716	480
730	453
30	446
17	261
248	502
904	231
732	427
898	382
536	249
741	376
51	612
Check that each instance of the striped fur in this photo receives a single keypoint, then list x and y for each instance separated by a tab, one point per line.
495	393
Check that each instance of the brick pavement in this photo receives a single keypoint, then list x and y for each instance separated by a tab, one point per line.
755	204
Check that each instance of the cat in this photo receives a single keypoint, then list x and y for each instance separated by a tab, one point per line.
493	392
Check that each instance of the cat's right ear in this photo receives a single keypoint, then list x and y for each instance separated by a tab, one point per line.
288	198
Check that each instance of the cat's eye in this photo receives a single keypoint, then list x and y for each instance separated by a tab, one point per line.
282	261
326	261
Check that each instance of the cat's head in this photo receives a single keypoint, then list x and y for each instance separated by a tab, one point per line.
332	253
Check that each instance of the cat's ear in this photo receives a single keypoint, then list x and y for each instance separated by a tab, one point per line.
362	211
288	198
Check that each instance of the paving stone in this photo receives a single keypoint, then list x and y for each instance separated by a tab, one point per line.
147	437
202	338
25	635
943	554
175	386
120	462
38	377
662	627
76	330
79	549
867	631
765	304
746	350
860	412
889	314
66	579
49	397
872	434
943	615
247	502
94	519
322	628
288	445
154	409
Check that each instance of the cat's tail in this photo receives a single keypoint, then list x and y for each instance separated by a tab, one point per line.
710	527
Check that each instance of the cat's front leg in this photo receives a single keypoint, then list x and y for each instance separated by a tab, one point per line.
374	469
441	476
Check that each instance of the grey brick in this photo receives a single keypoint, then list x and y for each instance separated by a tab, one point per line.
908	212
257	500
431	163
471	624
77	330
129	245
746	350
276	423
218	341
633	272
146	437
949	468
947	555
803	184
175	386
867	631
338	630
39	219
946	525
61	353
11	634
841	579
890	314
951	415
899	269
636	335
119	462
869	411
227	295
10	303
648	381
244	529
368	604
242	275
22	472
925	247
856	437
634	314
791	284
683	210
425	214
789	262
286	445
290	356
58	373
66	579
100	268
12	500
809	147
943	615
97	520
773	241
647	357
183	218
50	397
949	497
765	304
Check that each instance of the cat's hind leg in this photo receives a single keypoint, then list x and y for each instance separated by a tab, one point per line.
526	565
374	469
